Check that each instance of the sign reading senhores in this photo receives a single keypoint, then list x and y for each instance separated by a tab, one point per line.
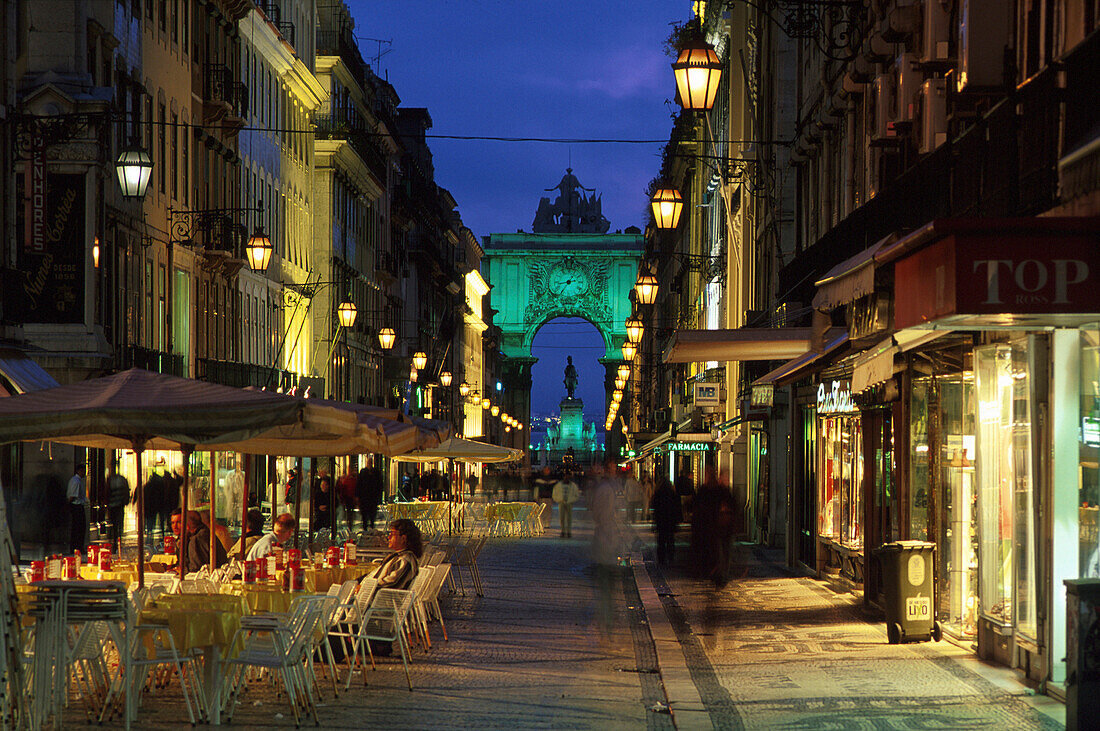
835	397
708	394
1042	266
52	270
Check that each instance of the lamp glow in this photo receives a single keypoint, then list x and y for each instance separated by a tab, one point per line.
629	350
347	313
485	403
624	371
445	378
386	338
667	204
420	359
258	250
134	168
95	252
698	72
464	389
495	410
634	329
646	288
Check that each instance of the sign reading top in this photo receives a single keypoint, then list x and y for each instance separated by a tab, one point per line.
965	277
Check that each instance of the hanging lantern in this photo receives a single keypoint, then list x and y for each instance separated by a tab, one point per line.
619	383
464	389
495	411
134	168
624	371
420	359
386	338
634	329
258	250
629	350
646	288
347	313
667	204
698	72
616	396
445	378
485	403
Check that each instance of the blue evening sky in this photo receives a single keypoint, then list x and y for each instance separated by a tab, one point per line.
534	68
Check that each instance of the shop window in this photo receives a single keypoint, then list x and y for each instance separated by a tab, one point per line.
1088	495
840	516
1007	591
918	460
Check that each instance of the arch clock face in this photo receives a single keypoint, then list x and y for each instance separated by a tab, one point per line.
568	281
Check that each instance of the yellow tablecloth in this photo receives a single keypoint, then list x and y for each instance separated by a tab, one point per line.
416	510
319	580
197	620
262	597
125	573
506	511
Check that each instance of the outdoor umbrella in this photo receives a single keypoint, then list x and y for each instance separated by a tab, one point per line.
463	450
140	410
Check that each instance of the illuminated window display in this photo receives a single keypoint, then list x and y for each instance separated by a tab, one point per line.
840	479
1088	493
1006	485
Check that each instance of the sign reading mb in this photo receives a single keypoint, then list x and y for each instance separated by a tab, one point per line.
1026	271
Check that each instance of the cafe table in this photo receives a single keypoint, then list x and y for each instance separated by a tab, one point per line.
204	622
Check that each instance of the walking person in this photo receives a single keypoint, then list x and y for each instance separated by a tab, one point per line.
667	514
77	494
118	494
368	491
544	488
565	493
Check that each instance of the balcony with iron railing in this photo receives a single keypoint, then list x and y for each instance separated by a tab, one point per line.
243	375
135	356
353	129
225	97
342	43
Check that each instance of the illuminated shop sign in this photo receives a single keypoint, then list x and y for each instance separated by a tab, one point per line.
763	395
687	446
708	394
1090	430
835	398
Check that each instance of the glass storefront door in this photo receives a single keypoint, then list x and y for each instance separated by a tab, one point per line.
1007	509
840	516
942	494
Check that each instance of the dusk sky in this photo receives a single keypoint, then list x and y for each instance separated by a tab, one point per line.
535	68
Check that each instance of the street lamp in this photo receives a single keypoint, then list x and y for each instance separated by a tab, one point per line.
634	329
698	72
464	389
495	410
386	338
134	168
624	371
420	360
619	383
485	403
347	313
629	350
259	249
445	379
646	288
616	396
667	203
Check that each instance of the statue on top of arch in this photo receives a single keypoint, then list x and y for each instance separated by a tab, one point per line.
577	210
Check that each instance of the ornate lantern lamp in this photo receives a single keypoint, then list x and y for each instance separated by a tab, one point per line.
485	403
646	288
134	168
347	313
634	329
698	72
258	250
624	371
667	204
386	338
464	389
420	359
629	350
445	378
494	410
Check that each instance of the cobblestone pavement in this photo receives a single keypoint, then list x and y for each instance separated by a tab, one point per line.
529	654
773	650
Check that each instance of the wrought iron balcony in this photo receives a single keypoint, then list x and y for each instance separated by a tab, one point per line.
219	87
135	356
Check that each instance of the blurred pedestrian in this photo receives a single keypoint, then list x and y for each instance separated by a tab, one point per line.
345	493
667	514
544	489
712	528
633	490
290	494
565	493
368	491
77	494
603	504
118	494
321	500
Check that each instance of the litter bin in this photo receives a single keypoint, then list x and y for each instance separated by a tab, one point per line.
907	576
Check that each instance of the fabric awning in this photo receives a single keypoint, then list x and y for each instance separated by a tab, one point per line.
742	344
804	364
850	279
463	450
875	366
654	443
23	373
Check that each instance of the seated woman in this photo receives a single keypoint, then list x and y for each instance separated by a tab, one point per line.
398	569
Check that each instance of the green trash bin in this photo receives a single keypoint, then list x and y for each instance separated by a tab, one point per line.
907	580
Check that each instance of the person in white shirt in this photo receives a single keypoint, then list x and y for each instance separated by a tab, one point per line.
77	494
566	493
282	531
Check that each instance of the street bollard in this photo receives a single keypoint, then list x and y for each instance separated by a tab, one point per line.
1082	653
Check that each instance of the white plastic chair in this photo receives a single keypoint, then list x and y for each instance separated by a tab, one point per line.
384	621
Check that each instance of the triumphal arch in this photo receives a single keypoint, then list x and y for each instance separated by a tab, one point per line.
567	266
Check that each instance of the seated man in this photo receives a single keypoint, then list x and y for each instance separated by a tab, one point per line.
254	531
198	541
282	532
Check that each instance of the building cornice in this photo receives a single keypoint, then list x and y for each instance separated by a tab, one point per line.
270	45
